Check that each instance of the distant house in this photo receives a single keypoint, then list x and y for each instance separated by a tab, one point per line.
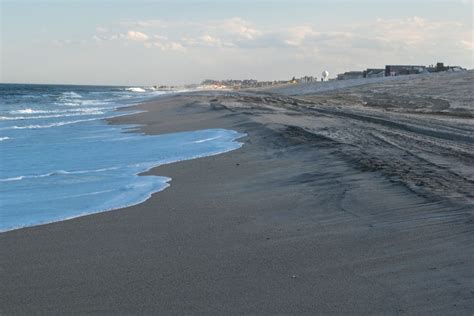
397	70
350	75
374	72
441	67
456	68
306	79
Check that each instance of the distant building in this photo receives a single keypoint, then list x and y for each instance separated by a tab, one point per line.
306	79
234	84
350	75
374	72
397	70
456	68
441	67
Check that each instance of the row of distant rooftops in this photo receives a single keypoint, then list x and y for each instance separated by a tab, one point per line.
389	70
397	70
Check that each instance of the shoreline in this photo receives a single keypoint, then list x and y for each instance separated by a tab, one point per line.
120	111
285	224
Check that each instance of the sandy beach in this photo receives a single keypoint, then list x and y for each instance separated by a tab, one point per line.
352	200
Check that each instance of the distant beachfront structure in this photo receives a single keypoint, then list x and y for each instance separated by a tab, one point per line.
325	75
374	72
350	75
306	79
397	70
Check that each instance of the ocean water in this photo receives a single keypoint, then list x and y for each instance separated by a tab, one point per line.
59	159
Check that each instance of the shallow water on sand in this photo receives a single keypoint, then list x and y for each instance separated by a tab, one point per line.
59	159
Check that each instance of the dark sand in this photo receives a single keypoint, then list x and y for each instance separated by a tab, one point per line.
288	224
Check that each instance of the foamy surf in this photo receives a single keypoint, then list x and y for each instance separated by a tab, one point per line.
57	173
60	168
110	187
136	89
21	118
55	111
49	125
71	94
205	140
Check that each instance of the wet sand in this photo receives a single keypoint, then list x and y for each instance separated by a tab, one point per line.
294	222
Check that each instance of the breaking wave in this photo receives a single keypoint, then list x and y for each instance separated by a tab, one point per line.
135	89
205	140
49	125
71	94
77	113
57	173
31	111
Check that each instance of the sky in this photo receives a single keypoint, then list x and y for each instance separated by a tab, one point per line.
146	42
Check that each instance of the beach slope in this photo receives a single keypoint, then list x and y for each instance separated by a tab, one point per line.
347	201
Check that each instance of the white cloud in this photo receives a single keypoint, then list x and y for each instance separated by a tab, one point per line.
412	31
210	40
136	36
203	33
395	39
158	24
176	47
62	42
157	40
99	38
205	41
68	42
171	46
296	35
239	27
101	29
144	23
469	45
160	37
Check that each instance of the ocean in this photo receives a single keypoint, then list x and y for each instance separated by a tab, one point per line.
59	159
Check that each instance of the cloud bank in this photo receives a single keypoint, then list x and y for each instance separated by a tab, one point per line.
413	33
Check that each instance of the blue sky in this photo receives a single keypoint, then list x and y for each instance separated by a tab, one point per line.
175	42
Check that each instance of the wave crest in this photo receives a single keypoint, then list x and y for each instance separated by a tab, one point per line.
135	89
57	173
71	94
49	125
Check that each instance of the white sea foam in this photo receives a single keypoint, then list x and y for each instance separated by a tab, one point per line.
71	94
31	111
164	185
205	140
69	103
77	113
94	102
4	138
88	194
28	111
84	171
56	173
48	125
12	179
135	89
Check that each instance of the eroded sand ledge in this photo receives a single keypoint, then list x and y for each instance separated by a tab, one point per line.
331	206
